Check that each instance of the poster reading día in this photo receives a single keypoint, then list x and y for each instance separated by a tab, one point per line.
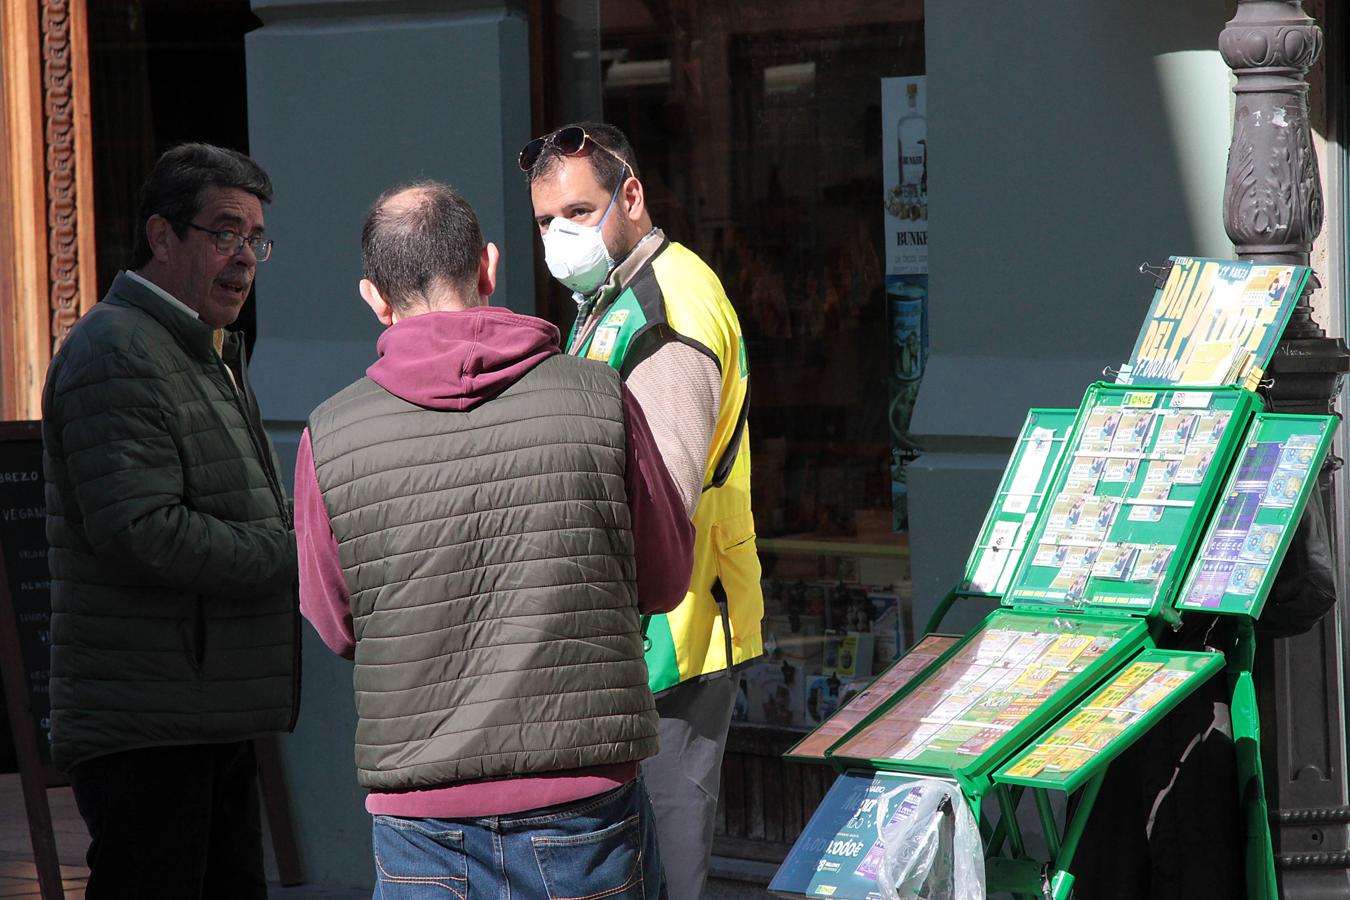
904	155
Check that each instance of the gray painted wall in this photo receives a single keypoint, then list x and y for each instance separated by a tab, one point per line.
1068	143
347	97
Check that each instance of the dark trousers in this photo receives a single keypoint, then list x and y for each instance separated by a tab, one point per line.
177	823
684	778
1167	824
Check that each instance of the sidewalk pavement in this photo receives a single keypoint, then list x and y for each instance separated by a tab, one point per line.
18	876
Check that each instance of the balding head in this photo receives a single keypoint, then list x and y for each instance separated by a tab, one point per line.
422	249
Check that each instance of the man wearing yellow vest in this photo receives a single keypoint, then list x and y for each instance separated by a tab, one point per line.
654	311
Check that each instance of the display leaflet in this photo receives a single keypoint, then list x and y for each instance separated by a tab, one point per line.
1008	522
1255	514
1106	721
840	851
886	685
1138	464
988	687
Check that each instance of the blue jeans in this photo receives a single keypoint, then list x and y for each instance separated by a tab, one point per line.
600	848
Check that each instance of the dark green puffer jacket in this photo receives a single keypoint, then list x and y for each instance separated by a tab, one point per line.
174	618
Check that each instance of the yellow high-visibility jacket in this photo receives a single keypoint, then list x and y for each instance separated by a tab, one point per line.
676	289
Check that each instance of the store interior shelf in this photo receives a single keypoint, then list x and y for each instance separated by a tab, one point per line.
832	548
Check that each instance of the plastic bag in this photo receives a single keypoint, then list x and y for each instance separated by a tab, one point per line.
932	845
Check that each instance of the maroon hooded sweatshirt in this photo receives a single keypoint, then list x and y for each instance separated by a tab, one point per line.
454	361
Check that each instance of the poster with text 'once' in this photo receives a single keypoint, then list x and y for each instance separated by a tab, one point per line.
1129	499
1257	514
1006	679
887	684
1008	523
839	853
1214	322
1104	725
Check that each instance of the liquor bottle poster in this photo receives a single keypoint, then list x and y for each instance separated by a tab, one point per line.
904	160
904	155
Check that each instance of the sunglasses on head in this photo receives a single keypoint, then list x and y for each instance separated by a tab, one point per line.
570	141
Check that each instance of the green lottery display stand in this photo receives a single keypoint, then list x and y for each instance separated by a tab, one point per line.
1151	502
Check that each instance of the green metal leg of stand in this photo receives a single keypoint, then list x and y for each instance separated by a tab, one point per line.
994	845
1260	853
1018	875
1061	882
1007	807
1048	825
940	613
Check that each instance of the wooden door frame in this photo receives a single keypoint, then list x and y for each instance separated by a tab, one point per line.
47	275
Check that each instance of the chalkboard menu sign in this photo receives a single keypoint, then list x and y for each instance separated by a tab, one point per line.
23	551
25	636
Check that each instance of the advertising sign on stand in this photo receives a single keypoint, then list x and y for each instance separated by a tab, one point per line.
840	851
1214	322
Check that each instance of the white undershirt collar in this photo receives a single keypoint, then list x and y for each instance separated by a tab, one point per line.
167	297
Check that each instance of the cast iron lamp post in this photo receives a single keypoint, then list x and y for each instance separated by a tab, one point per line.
1272	213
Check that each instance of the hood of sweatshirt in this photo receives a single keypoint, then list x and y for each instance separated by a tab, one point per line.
457	360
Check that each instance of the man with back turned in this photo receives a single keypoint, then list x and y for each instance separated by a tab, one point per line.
483	521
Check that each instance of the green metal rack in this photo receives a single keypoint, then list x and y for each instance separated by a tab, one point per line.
1138	495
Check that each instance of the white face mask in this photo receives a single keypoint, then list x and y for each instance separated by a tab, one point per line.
576	254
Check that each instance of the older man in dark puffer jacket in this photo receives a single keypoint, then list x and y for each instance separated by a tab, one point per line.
174	636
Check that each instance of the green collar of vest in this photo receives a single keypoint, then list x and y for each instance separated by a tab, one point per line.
638	308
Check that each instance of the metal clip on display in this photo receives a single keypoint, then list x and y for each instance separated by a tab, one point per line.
1159	273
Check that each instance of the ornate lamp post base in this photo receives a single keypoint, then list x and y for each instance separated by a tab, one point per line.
1272	213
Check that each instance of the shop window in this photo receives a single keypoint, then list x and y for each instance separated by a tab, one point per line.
759	130
162	72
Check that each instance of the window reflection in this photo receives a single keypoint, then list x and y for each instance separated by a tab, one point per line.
759	130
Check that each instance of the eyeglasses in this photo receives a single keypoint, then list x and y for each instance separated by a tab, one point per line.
229	242
570	141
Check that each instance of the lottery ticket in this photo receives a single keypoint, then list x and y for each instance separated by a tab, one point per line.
1260	543
1246	578
1151	563
1283	489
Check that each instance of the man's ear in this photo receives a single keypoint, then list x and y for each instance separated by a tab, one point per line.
375	300
158	232
635	200
487	270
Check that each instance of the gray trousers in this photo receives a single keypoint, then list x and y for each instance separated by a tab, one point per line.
684	778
